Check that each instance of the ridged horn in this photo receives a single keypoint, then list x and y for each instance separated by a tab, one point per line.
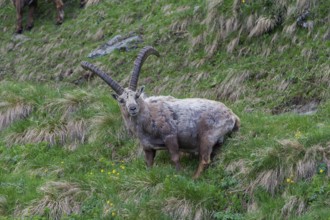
112	83
143	55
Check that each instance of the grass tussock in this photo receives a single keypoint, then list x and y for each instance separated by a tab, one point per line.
178	209
91	2
232	45
263	25
290	162
232	87
238	168
59	199
69	103
136	186
58	133
102	126
180	27
294	206
12	111
3	204
303	5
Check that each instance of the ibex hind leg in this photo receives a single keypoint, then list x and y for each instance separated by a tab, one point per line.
205	151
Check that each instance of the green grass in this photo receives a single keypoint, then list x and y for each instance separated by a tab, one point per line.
64	144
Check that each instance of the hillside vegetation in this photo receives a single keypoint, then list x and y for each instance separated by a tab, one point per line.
64	151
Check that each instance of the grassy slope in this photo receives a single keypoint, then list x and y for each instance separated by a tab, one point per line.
63	145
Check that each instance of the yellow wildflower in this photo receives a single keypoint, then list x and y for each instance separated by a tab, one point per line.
288	180
108	202
297	135
102	171
113	214
321	170
114	171
122	167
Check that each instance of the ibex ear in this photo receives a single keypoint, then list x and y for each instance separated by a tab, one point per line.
140	91
115	96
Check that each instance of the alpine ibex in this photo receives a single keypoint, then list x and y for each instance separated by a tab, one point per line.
20	4
166	123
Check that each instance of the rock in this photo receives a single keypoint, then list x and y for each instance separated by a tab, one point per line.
302	20
99	35
117	43
20	38
307	109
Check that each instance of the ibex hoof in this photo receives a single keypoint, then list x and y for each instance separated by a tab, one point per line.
19	31
29	27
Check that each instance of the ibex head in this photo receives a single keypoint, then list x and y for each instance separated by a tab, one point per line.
127	97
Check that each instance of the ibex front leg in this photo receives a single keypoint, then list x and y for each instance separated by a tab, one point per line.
32	8
149	157
172	145
19	16
59	11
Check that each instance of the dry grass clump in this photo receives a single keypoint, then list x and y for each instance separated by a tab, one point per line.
213	18
138	185
232	45
294	206
3	204
72	132
303	5
269	180
307	167
179	209
12	111
250	21
198	41
91	2
212	48
290	29
180	27
69	103
102	125
263	25
290	160
59	199
77	134
323	78
232	86
3	2
238	168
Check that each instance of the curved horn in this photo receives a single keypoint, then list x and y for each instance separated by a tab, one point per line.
112	83
144	53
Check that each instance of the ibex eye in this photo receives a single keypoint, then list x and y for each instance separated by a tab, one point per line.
122	101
